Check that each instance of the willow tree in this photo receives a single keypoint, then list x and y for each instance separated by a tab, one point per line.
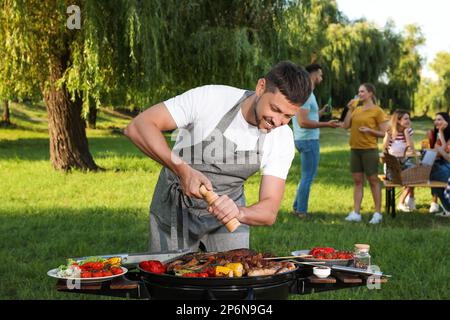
101	59
434	95
224	41
429	98
404	78
303	30
13	85
306	24
441	66
349	52
355	53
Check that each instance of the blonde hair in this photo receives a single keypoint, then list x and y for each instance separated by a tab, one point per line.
394	121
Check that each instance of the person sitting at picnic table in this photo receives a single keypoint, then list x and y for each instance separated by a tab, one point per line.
398	141
367	123
440	142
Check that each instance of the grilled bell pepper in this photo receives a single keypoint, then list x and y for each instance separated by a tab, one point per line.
237	268
196	275
115	261
153	266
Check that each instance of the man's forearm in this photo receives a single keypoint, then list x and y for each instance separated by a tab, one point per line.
308	124
151	142
263	213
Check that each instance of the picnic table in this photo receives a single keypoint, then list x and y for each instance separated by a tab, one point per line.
391	195
415	154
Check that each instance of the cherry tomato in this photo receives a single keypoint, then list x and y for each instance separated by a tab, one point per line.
97	266
97	274
116	270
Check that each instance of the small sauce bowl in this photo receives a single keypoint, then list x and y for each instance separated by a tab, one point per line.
321	272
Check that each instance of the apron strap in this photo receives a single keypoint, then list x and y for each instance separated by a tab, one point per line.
179	225
231	114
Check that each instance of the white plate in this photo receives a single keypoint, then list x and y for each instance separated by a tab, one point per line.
54	274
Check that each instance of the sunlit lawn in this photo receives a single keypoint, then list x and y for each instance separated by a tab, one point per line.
47	216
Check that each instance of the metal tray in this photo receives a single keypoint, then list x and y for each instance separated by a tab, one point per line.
324	262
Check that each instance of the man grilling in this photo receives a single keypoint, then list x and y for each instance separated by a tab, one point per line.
225	135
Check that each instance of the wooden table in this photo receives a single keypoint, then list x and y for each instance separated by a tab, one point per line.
416	154
391	196
129	286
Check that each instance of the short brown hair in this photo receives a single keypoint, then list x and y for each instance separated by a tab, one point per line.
291	80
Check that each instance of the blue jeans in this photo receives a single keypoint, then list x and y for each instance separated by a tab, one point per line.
441	172
309	151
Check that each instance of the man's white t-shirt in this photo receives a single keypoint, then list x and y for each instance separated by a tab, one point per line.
199	110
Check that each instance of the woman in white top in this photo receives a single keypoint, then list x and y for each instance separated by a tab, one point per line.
397	141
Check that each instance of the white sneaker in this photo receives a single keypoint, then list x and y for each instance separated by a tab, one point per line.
411	203
404	208
353	216
434	207
376	218
444	213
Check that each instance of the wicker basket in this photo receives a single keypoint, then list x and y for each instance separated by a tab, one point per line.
415	175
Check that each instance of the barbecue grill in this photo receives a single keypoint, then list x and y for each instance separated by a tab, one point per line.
164	286
141	284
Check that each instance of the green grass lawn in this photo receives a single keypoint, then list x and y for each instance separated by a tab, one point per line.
47	216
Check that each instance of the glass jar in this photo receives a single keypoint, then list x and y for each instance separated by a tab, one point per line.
361	256
425	144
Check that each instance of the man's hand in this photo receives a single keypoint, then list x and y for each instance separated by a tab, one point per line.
334	124
191	180
224	209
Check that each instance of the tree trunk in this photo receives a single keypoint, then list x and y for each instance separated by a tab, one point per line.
92	116
427	108
5	118
67	130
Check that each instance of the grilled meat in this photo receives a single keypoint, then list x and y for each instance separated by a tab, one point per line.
253	263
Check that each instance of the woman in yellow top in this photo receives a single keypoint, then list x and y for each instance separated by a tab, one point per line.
367	123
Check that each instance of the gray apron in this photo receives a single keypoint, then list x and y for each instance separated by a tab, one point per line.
181	222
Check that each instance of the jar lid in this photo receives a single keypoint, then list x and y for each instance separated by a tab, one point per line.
361	246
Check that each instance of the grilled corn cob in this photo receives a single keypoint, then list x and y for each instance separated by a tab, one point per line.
237	268
223	272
